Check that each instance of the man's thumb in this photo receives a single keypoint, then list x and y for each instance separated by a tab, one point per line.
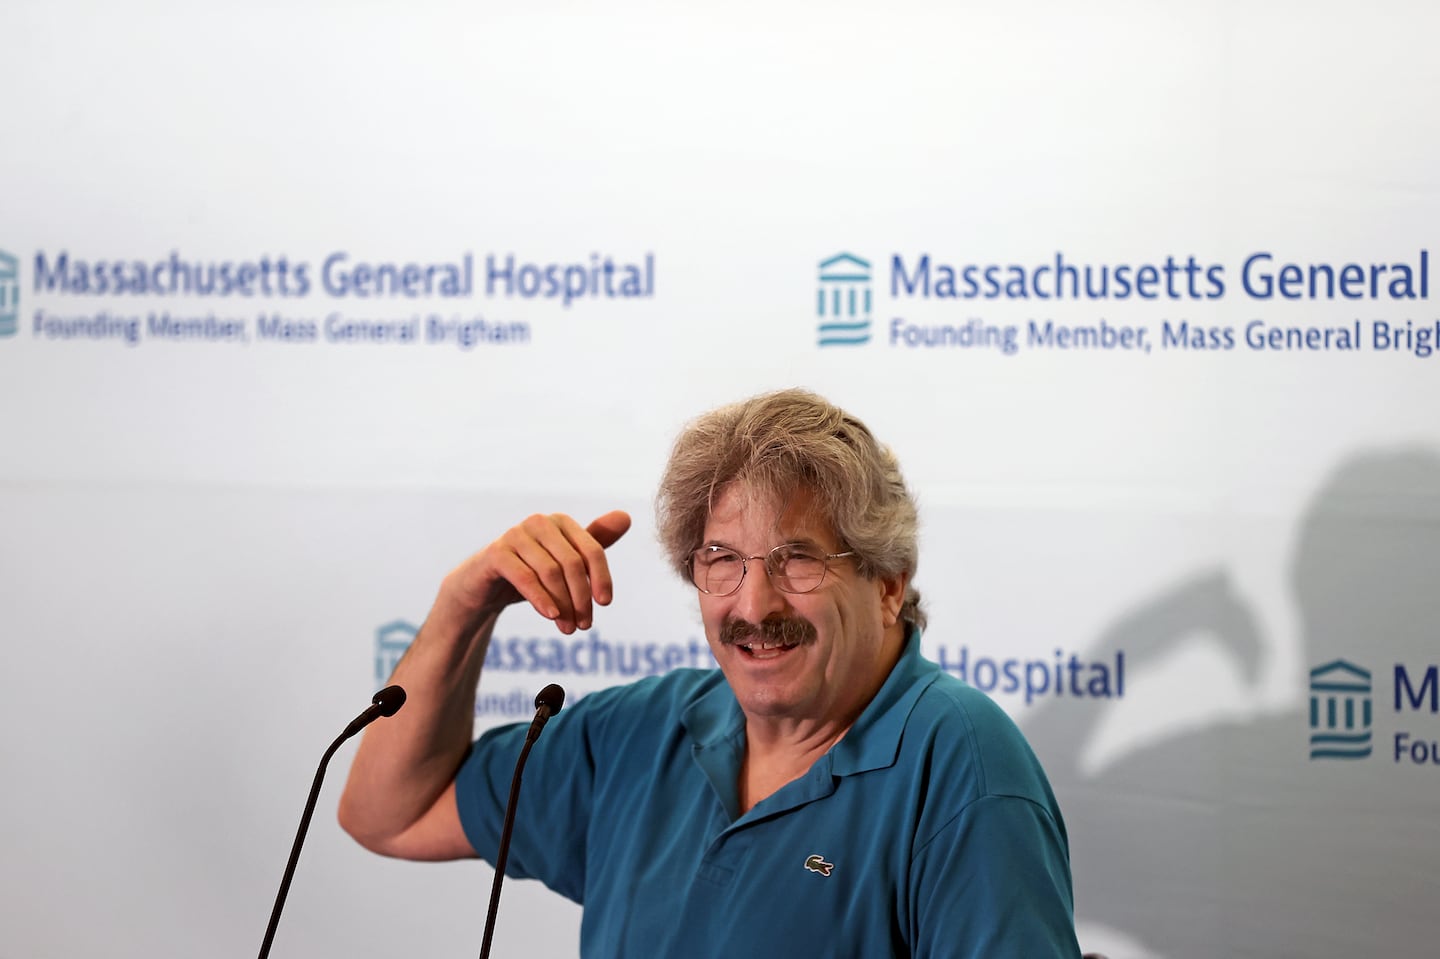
610	527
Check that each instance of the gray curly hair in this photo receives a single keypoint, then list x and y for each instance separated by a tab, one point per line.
777	443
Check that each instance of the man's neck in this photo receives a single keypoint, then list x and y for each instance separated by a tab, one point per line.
763	771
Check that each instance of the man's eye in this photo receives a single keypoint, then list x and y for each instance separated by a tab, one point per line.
792	554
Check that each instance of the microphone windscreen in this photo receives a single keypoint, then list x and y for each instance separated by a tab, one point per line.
552	696
389	699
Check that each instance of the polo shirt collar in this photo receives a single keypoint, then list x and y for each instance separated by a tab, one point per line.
873	741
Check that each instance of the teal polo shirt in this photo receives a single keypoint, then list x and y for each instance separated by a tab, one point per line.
929	830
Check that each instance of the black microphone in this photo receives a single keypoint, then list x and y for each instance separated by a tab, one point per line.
386	702
547	703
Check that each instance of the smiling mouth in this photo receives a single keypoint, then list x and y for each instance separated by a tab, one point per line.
768	639
766	649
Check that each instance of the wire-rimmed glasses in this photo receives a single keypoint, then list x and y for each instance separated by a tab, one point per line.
792	567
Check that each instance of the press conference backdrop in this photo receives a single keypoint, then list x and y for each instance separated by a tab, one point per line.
301	304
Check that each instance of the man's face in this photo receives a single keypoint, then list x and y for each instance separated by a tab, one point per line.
847	629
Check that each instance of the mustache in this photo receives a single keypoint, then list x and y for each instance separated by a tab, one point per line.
791	631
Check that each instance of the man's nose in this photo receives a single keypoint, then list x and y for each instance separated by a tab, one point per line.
758	598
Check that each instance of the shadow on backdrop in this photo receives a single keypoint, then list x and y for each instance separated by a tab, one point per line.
1231	841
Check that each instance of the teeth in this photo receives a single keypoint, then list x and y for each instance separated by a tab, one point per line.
766	645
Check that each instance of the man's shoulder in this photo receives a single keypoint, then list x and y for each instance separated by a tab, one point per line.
962	732
949	701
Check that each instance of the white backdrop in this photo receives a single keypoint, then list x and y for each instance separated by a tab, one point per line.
201	538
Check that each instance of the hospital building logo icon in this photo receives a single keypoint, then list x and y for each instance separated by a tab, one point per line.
9	294
1340	709
391	641
842	301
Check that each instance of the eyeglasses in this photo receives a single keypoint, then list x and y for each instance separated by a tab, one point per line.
718	571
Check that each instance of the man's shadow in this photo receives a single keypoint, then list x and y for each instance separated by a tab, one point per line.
1231	841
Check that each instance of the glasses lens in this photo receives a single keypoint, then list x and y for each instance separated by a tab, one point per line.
796	569
716	570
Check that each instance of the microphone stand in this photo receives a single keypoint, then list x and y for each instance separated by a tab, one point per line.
547	702
386	703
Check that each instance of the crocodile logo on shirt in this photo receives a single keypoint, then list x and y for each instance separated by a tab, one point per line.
818	864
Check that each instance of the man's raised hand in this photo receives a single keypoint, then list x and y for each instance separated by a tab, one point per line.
551	562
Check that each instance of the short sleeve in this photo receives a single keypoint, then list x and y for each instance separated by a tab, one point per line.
994	883
552	816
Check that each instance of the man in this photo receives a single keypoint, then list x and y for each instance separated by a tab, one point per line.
827	792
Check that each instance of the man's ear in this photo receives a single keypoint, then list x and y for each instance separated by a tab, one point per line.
892	597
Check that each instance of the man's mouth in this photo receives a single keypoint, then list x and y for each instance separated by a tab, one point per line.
766	649
769	639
